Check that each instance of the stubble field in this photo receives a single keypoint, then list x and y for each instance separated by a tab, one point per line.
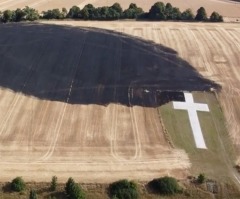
70	122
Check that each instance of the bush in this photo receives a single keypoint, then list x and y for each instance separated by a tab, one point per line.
157	11
73	190
123	189
215	17
187	15
165	185
18	184
74	12
132	12
7	16
53	183
201	14
30	14
201	178
32	195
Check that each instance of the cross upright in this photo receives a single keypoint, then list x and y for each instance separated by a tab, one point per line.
192	109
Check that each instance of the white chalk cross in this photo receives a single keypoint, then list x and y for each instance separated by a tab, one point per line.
192	109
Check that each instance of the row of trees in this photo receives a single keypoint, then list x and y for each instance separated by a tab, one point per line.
159	11
89	12
72	189
28	14
122	189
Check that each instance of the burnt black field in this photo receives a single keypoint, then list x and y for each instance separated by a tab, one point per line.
92	66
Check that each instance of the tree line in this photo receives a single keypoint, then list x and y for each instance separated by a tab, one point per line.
122	189
159	11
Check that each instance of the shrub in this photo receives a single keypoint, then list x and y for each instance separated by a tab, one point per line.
123	189
7	16
215	17
74	12
32	195
201	14
132	12
73	190
30	14
53	183
201	178
187	15
18	184
157	11
165	185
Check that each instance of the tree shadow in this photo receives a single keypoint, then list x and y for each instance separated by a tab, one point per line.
93	66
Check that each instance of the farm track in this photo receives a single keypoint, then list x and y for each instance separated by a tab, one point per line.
82	140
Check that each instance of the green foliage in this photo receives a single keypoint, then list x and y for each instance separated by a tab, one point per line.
87	12
201	178
7	16
74	12
161	12
132	12
52	197
187	15
157	11
165	185
19	15
64	12
73	190
18	184
53	14
216	17
53	183
123	189
201	14
31	14
32	195
117	7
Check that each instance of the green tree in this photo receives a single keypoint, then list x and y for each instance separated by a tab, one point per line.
216	17
88	12
201	178
157	11
201	14
1	15
124	189
168	11
19	15
18	184
7	16
53	14
64	12
165	185
176	14
117	7
32	194
31	14
187	15
53	183
74	12
132	12
73	190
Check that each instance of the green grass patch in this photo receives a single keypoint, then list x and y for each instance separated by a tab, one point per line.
215	160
